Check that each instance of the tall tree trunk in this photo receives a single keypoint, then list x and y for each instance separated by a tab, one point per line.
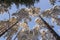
4	31
50	28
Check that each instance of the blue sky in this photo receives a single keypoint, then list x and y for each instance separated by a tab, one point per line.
43	4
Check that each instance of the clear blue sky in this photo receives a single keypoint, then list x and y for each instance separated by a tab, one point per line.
43	4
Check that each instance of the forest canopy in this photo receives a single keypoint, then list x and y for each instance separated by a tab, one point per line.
17	23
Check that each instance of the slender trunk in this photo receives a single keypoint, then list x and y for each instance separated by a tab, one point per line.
50	28
1	34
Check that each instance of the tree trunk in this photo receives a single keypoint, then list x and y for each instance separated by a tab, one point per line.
50	28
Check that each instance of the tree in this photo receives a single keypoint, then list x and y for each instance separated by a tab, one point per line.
17	24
